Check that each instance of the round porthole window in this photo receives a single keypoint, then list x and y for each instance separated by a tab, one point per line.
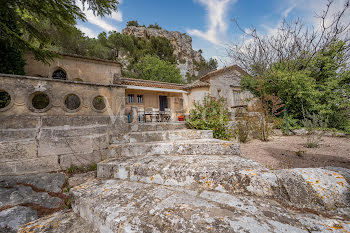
72	102
5	100
99	103
40	101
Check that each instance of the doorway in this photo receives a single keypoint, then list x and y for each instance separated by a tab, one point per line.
163	102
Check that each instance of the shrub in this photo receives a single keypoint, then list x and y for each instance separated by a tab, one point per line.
211	114
132	23
73	169
312	123
242	130
156	26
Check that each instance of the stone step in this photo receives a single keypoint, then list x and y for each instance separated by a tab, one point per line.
321	188
179	147
157	126
123	206
219	172
164	135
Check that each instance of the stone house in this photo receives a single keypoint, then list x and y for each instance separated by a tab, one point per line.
66	113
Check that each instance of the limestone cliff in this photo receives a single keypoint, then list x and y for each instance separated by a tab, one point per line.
181	42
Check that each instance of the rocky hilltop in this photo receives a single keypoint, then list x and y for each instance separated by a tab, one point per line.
181	42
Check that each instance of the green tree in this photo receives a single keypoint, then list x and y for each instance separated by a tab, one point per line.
132	23
320	86
28	15
203	68
162	48
153	68
11	55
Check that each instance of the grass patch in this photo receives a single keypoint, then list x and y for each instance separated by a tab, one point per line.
73	169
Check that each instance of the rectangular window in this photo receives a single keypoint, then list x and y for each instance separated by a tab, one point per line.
139	99
236	98
130	98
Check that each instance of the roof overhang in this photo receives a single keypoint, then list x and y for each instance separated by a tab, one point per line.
154	89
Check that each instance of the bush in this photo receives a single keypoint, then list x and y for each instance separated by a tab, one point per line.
312	123
211	114
73	169
132	23
242	131
156	26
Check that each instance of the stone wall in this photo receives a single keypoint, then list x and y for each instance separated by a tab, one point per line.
55	137
225	84
23	88
197	94
77	68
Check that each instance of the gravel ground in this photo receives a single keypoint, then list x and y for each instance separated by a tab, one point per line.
280	152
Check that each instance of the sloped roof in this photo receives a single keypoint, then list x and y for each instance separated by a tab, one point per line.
150	83
196	84
223	70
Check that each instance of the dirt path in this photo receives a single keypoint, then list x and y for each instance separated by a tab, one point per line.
280	152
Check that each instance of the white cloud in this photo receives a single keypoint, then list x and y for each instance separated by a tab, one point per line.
286	12
99	21
118	16
87	31
217	22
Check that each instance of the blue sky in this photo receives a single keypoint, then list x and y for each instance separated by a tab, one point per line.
209	22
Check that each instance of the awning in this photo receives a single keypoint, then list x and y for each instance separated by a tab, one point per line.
154	89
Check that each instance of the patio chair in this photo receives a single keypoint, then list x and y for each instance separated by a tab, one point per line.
141	115
155	115
166	115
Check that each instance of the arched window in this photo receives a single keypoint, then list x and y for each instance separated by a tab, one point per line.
59	74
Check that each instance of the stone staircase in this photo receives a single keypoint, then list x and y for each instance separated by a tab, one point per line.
166	178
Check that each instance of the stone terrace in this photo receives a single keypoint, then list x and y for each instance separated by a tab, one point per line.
166	178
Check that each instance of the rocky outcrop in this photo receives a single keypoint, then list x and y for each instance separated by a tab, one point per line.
24	198
181	42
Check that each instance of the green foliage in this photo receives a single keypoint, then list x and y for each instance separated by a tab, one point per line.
11	55
319	86
153	68
312	123
156	26
282	123
242	131
211	114
29	15
73	169
5	99
132	23
203	68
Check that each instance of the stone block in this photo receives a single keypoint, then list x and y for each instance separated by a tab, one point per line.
167	135
16	150
17	134
54	121
44	164
59	222
319	188
61	146
19	122
81	159
71	131
185	147
206	147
